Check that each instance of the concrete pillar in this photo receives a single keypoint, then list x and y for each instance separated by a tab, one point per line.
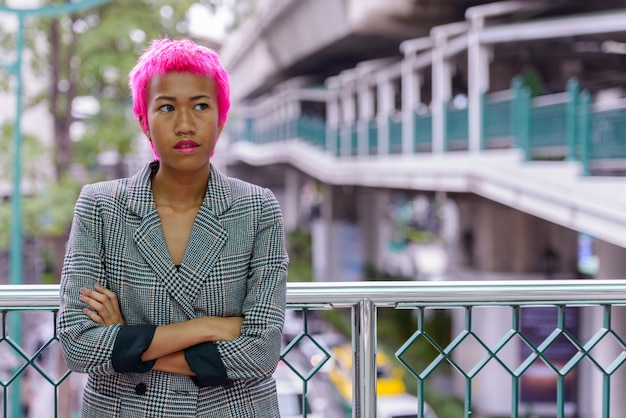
322	253
411	97
333	113
365	102
372	205
497	238
611	261
441	90
337	238
348	110
291	208
478	74
385	108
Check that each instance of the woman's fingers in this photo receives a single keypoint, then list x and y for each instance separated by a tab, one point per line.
93	316
104	305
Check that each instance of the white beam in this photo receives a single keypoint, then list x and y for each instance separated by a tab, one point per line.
588	24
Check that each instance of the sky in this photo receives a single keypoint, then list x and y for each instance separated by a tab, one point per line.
201	21
212	25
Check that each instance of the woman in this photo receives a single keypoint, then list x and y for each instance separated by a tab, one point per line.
173	286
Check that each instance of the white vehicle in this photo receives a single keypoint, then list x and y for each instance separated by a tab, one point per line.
401	406
290	396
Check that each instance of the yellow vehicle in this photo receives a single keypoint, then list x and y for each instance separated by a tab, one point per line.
392	399
389	377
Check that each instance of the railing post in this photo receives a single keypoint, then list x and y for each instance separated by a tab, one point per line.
573	89
516	86
445	120
364	359
524	123
584	130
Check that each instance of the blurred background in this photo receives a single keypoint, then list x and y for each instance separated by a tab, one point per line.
405	140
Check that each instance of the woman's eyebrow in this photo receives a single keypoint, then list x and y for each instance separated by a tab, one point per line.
169	98
173	99
200	97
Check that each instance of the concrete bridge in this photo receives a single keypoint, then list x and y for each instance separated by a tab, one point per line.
507	114
281	65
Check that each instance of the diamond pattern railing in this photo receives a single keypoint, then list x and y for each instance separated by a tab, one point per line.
506	340
304	375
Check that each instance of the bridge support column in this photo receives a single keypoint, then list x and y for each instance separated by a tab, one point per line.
496	238
336	237
291	201
371	210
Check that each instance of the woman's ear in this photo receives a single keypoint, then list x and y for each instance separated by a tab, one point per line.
141	126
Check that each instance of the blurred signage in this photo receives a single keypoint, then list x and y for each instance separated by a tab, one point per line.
539	382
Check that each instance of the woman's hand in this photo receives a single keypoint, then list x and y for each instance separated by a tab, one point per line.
105	309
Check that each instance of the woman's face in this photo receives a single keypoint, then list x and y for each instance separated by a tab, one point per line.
181	109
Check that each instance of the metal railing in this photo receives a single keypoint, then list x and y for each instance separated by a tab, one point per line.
468	300
559	126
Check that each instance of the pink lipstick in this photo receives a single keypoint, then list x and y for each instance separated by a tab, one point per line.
186	145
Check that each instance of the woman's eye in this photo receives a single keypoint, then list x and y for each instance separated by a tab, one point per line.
167	108
201	106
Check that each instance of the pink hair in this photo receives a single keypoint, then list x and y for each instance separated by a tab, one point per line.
163	56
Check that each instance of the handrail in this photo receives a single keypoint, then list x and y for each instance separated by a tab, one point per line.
365	297
391	293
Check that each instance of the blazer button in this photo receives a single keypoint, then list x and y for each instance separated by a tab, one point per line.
141	389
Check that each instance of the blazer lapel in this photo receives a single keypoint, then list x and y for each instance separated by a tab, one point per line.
208	236
151	244
204	247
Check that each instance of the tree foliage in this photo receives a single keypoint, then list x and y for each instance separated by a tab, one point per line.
88	54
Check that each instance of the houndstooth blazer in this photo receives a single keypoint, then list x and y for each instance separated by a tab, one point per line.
235	264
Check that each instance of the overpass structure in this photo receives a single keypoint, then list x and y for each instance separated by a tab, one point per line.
440	113
510	113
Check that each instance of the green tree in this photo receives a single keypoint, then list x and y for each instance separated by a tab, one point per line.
89	54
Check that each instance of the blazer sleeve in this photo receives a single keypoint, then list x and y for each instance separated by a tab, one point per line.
87	347
257	351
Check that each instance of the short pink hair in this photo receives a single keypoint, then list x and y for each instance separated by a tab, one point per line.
163	56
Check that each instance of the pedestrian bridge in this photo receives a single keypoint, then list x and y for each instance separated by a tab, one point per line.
555	157
574	355
381	124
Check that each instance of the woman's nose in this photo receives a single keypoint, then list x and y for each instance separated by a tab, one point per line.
184	123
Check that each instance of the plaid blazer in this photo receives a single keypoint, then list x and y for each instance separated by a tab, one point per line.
235	264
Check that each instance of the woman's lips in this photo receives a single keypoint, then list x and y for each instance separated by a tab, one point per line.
186	145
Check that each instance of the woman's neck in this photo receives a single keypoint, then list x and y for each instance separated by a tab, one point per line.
179	191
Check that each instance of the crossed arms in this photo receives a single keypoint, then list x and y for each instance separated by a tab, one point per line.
169	341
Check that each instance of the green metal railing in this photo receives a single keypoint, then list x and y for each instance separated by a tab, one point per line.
548	126
609	134
372	138
422	132
395	136
312	130
561	126
353	145
456	132
502	334
497	120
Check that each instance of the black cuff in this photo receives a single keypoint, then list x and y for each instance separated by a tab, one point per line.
205	361
132	341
